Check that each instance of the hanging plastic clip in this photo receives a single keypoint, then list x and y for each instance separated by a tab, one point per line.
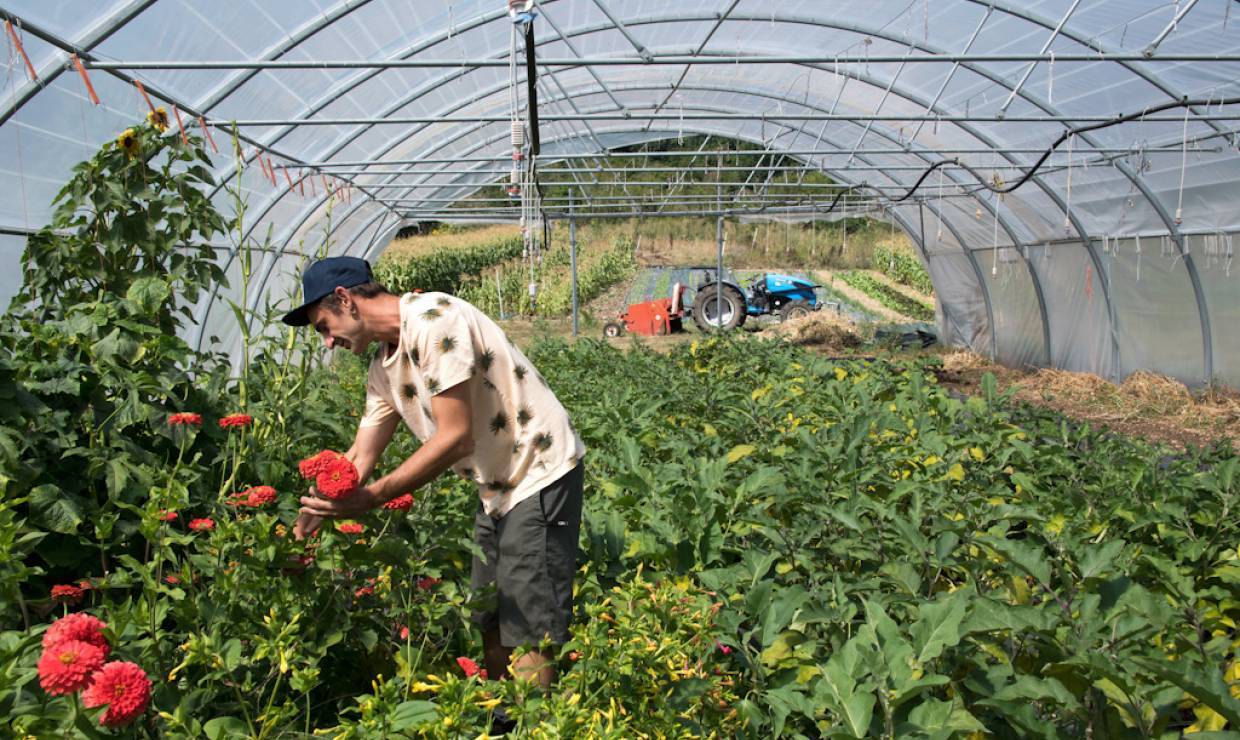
81	70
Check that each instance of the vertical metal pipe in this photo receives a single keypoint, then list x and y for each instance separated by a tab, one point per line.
719	246
572	255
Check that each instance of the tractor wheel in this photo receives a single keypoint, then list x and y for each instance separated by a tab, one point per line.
715	309
794	310
612	329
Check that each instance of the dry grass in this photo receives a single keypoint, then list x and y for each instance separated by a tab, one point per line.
821	330
1146	405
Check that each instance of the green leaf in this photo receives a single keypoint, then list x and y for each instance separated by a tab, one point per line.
148	293
1098	558
411	713
56	509
221	728
1206	686
937	628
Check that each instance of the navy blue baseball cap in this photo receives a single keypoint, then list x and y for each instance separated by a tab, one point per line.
323	277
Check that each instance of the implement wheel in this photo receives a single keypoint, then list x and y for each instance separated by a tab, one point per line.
612	329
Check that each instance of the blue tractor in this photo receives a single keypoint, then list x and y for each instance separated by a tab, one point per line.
724	304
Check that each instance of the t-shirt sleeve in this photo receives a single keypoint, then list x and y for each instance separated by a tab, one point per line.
379	407
445	343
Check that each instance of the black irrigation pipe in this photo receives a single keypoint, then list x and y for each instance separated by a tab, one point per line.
1028	175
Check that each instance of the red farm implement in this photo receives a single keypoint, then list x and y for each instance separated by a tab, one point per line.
652	318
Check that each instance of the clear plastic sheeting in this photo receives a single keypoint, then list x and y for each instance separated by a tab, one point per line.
851	95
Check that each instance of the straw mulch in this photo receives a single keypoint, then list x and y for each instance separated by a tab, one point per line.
821	330
1146	405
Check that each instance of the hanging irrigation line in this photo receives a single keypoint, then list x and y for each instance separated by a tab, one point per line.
1065	136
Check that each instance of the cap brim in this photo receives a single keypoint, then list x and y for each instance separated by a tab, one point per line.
299	316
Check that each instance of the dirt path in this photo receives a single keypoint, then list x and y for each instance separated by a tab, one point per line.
827	277
908	291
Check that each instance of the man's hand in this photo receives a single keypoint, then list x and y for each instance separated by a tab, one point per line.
306	525
362	500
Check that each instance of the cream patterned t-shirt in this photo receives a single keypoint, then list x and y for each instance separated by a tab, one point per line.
523	439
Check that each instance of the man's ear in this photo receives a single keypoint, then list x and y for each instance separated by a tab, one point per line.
343	295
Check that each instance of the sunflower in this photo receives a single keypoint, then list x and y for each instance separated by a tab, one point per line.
128	142
158	118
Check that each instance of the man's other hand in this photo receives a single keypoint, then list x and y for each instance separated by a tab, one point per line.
359	502
306	525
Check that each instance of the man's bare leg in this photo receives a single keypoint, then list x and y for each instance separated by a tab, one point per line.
536	665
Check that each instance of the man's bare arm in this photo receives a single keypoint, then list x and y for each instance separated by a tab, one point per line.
453	439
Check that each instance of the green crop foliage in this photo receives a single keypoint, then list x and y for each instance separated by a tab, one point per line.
446	270
903	268
886	295
597	270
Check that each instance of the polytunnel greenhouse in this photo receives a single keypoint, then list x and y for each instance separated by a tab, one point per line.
774	541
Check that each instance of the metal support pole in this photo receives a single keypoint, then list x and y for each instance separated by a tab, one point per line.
719	272
572	256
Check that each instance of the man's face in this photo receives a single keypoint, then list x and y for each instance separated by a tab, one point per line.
340	329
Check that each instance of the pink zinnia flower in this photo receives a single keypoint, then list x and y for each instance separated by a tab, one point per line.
403	502
184	419
66	667
67	593
468	666
337	478
236	420
199	525
723	648
350	528
77	626
123	688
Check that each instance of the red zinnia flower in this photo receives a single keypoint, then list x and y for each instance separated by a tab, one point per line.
337	478
255	497
77	626
467	665
236	420
427	583
123	688
167	516
483	674
404	502
311	466
350	528
66	667
171	579
185	418
260	495
67	593
364	591
404	633
85	584
199	525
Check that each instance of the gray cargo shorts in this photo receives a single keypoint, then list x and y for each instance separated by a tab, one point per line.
531	555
